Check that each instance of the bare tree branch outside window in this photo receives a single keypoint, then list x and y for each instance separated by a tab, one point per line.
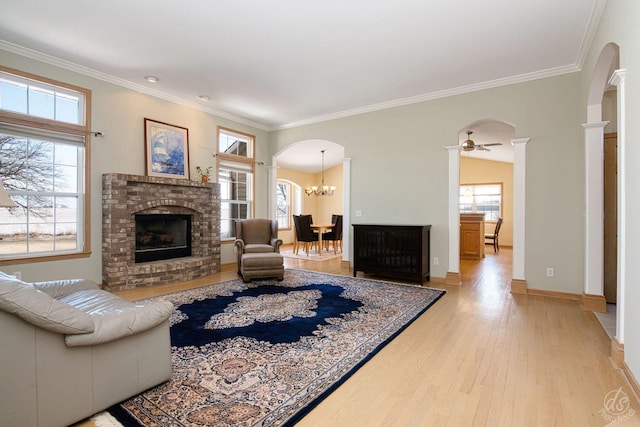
27	165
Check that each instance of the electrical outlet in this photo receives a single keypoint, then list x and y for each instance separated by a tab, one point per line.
358	213
436	260
17	275
550	272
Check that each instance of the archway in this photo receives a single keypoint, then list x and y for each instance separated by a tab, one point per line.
518	284
605	73
486	176
305	156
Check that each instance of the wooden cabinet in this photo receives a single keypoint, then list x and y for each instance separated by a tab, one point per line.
472	236
396	251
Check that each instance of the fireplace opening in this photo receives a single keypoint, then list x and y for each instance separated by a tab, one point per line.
161	237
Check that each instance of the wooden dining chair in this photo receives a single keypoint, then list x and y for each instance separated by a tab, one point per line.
335	235
304	233
493	238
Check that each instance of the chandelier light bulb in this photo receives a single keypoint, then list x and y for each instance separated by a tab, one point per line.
322	190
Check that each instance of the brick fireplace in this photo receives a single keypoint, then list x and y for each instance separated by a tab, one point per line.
125	196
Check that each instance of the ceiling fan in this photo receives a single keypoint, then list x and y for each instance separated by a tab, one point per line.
469	145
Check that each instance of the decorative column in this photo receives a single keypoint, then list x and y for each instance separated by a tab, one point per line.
271	197
593	297
453	272
617	345
346	207
518	280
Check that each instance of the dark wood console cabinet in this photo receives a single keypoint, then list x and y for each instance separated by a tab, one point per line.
397	251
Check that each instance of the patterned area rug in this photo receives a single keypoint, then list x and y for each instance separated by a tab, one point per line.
265	353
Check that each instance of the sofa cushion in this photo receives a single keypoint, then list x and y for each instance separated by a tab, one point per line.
40	309
60	288
256	248
114	317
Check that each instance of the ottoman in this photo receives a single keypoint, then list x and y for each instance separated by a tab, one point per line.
261	265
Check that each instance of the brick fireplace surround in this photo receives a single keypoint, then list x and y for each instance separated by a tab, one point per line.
124	196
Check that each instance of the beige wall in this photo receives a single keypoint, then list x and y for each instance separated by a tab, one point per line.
478	171
398	162
321	207
399	167
119	113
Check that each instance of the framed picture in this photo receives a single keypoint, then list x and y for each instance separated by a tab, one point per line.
167	150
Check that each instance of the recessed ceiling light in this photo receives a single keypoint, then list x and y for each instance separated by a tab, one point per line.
151	79
204	97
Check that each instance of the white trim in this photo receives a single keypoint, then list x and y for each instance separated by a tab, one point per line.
346	207
454	209
519	198
594	21
594	202
271	193
618	79
551	72
519	206
80	69
38	56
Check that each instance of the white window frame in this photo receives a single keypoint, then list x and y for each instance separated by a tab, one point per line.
471	193
284	221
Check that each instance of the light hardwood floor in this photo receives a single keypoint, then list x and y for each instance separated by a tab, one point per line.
480	356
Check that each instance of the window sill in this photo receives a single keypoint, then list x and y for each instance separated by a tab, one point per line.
44	258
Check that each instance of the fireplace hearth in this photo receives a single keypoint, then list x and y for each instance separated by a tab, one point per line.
177	237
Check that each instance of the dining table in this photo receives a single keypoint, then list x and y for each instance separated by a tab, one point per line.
321	228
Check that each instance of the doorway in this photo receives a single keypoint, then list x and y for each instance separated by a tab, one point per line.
304	163
486	187
610	242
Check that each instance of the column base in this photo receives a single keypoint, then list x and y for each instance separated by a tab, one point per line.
518	286
594	303
617	353
453	279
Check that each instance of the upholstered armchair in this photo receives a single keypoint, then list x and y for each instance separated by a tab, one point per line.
256	236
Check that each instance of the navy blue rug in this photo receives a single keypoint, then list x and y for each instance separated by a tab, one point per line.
267	352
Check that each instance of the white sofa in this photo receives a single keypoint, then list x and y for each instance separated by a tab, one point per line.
69	350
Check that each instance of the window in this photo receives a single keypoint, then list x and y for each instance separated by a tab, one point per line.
235	143
235	177
40	99
482	198
283	204
42	165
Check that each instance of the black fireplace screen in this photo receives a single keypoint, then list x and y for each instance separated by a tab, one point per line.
161	237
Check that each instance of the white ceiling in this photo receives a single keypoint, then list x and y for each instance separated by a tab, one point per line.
307	155
282	63
490	132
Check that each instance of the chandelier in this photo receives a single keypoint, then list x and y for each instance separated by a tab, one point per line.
323	190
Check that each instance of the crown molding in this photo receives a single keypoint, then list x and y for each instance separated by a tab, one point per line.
80	69
552	72
596	14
